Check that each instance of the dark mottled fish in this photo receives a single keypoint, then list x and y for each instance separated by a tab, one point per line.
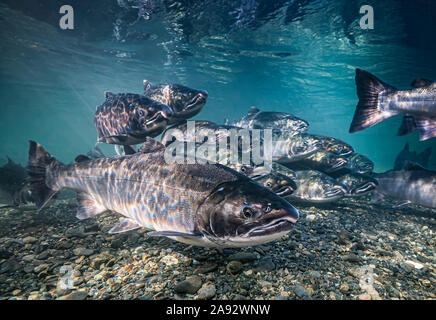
335	146
257	119
14	189
413	184
185	102
205	205
406	155
359	163
316	187
322	161
129	118
290	148
379	101
355	184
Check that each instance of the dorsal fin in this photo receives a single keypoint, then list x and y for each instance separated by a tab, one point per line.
109	95
151	145
128	150
81	158
421	83
412	166
147	85
253	110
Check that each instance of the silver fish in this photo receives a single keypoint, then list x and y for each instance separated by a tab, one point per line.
316	187
413	184
379	101
289	147
185	102
257	119
204	205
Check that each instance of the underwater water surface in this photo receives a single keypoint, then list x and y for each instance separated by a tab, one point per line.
292	56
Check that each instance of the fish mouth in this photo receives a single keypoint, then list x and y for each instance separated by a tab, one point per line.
285	191
282	220
198	101
158	117
339	164
275	226
362	189
335	192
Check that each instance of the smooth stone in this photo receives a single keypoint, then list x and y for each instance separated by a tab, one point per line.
189	285
243	257
83	252
206	292
234	267
29	240
75	295
265	264
301	292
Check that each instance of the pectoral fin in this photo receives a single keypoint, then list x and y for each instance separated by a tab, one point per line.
150	145
402	204
125	225
88	207
173	234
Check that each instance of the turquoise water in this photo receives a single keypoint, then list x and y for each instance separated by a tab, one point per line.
292	56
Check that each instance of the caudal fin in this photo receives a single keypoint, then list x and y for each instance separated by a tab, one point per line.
367	112
40	161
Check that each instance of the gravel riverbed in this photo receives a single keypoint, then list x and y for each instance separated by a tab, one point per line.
353	249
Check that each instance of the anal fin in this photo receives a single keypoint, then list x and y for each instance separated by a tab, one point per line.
125	225
88	207
173	234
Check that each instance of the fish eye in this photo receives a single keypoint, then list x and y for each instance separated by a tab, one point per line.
244	169
267	208
141	113
247	212
268	184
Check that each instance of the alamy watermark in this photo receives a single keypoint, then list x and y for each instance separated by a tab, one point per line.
367	20
224	146
67	20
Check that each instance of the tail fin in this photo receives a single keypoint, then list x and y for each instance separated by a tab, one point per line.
39	162
368	89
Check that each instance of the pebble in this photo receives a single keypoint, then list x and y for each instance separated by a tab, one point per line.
189	285
83	251
75	295
311	217
234	267
301	292
207	291
365	296
29	240
243	257
264	264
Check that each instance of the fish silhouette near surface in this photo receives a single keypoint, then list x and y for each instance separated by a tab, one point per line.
199	204
379	101
406	156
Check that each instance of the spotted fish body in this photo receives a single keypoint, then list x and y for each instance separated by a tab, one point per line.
206	205
129	118
184	101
